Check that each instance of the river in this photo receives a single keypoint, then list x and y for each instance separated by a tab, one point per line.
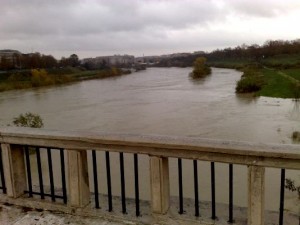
165	101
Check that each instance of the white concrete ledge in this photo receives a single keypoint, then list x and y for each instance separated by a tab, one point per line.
246	153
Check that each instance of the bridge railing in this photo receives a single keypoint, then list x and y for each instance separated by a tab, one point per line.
18	143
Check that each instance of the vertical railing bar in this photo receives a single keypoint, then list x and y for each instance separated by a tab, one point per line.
51	174
230	194
213	191
122	183
28	169
95	173
40	172
63	175
196	188
282	187
180	186
136	182
109	195
2	174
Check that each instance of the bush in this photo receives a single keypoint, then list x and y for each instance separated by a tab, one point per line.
200	68
251	81
291	186
40	78
248	85
28	120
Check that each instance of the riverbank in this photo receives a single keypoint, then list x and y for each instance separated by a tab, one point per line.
23	79
282	80
280	83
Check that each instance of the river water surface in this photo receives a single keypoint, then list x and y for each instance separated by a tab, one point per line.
165	101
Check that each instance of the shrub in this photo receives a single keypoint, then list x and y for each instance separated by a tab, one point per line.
40	78
200	68
28	120
251	81
16	77
291	186
248	85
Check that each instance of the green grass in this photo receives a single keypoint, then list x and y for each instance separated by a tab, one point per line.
295	73
66	70
282	61
230	63
275	85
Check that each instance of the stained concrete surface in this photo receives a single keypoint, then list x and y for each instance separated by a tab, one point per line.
17	215
24	211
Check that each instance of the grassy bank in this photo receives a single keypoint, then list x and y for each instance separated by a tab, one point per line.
270	82
279	75
230	63
284	61
38	78
276	85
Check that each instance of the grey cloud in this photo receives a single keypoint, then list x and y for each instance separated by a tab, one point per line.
83	17
124	25
262	8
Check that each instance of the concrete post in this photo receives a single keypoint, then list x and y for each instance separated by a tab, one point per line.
160	186
256	195
79	191
14	169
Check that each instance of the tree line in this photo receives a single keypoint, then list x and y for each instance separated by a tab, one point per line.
253	52
257	52
36	60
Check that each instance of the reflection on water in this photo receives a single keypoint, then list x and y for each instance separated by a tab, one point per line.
246	98
295	112
166	101
199	81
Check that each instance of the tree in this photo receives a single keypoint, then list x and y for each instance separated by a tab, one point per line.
74	60
200	68
5	63
48	61
28	120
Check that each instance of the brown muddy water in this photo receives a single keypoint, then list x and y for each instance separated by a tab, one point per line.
165	101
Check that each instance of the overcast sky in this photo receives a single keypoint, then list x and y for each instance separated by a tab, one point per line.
104	27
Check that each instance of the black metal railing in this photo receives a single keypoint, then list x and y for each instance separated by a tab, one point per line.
122	182
2	186
281	203
230	220
34	150
213	190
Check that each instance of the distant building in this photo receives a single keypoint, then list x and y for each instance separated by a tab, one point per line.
9	54
114	60
198	52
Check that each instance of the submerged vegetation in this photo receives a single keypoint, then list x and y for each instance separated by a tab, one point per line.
28	120
291	186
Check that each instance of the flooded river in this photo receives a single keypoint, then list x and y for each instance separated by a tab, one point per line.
165	101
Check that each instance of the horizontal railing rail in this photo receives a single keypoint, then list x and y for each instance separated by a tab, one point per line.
257	156
245	153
